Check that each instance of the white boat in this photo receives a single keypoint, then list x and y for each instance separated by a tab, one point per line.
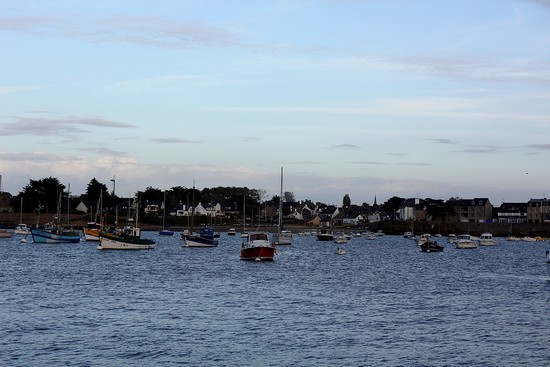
425	237
231	232
22	229
486	239
164	231
408	234
340	238
451	238
464	241
283	237
340	251
127	238
204	238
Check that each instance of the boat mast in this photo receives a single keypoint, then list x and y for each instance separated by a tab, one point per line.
281	205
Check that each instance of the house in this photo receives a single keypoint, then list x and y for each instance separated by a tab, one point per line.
511	213
413	208
473	210
538	211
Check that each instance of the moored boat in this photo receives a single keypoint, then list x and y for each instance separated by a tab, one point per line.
91	231
231	232
486	239
4	233
431	246
325	235
204	238
257	247
127	238
55	234
465	241
22	229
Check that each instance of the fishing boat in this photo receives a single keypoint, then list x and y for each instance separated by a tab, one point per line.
126	238
91	231
283	237
55	232
257	247
164	231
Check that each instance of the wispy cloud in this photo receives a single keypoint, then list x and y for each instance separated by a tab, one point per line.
477	150
539	146
56	126
174	141
145	30
378	163
145	85
20	88
346	146
443	141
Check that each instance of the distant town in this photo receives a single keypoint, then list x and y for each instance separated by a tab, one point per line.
230	206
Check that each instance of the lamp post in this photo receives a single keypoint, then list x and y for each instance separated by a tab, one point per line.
114	184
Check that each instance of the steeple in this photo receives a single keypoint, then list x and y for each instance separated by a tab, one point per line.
374	201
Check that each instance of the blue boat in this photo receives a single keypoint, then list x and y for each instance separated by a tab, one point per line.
55	235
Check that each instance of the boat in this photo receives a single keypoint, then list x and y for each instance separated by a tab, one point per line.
548	256
431	246
164	231
257	247
424	238
340	251
340	238
54	232
22	229
408	234
127	237
283	237
91	231
4	233
325	235
464	241
451	238
231	232
204	238
486	239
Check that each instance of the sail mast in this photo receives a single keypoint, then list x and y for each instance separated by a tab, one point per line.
281	205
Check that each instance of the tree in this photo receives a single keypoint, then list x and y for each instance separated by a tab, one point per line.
289	197
94	189
43	192
393	204
346	201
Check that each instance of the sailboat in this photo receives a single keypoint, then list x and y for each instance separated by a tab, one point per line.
55	232
283	237
204	238
164	231
22	228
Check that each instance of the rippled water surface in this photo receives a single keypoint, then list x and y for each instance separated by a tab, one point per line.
384	303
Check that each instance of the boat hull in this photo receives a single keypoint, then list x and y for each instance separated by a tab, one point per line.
325	237
40	236
258	253
91	234
431	247
107	243
198	241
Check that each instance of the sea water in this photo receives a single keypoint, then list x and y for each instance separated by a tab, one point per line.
383	303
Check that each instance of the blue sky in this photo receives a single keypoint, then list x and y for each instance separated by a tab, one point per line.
367	98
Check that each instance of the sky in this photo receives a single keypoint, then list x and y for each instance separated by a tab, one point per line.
369	98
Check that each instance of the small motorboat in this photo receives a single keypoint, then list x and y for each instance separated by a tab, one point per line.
431	246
